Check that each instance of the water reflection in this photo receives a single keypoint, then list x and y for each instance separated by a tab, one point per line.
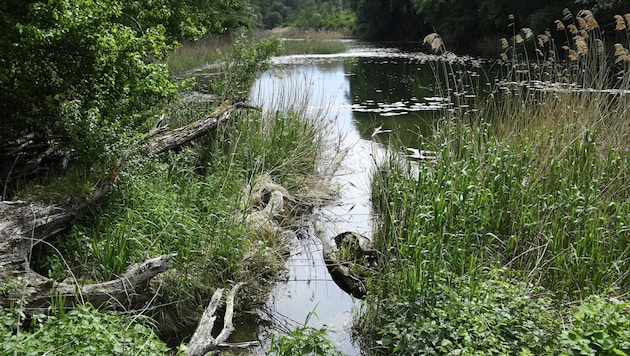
394	92
364	98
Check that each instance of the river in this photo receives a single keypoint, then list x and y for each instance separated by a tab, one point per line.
364	94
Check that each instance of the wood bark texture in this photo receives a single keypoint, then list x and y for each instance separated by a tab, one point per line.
202	341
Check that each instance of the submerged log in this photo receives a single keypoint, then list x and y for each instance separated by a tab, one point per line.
354	253
26	224
344	278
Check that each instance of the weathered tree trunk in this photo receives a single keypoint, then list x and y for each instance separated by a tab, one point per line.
202	341
26	224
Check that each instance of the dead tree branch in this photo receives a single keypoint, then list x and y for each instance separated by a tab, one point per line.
26	224
202	341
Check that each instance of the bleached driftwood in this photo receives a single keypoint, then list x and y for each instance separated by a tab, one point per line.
26	224
202	341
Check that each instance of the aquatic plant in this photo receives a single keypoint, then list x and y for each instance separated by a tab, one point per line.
533	180
84	330
303	340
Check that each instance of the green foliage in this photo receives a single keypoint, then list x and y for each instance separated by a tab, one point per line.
77	74
330	15
598	326
303	340
491	202
321	16
190	203
85	76
464	24
84	330
385	20
459	315
520	182
243	64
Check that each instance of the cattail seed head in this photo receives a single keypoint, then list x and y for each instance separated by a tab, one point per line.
559	25
582	23
542	39
504	43
580	44
620	24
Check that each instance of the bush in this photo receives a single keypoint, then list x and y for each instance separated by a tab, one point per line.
80	331
599	326
457	315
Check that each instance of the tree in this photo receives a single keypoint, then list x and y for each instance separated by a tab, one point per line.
386	19
82	75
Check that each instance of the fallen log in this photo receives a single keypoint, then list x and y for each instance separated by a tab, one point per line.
26	224
202	341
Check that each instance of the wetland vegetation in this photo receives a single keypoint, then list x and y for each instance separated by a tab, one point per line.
512	239
516	236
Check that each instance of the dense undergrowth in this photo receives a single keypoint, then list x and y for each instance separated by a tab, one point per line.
189	202
515	240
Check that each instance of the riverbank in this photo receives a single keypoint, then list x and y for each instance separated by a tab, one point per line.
211	50
195	202
513	238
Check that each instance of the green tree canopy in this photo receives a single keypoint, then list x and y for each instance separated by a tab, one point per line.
464	22
82	74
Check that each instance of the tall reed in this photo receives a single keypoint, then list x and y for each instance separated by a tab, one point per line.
533	181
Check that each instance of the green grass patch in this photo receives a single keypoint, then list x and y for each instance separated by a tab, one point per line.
206	50
190	203
313	46
84	330
215	49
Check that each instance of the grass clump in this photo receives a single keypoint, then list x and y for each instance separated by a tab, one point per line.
311	46
206	50
312	41
215	49
533	181
303	340
190	203
456	315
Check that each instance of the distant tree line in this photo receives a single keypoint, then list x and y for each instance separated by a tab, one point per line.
466	22
320	14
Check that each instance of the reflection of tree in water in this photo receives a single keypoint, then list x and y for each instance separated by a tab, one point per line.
391	92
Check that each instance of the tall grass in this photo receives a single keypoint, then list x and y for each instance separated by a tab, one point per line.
190	202
204	51
534	181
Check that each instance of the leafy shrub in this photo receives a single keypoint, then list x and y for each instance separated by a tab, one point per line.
465	317
80	74
81	331
243	65
599	326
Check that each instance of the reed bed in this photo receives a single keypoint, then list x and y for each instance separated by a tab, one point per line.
205	51
529	196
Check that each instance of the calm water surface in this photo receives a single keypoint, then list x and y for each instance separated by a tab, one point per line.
356	92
